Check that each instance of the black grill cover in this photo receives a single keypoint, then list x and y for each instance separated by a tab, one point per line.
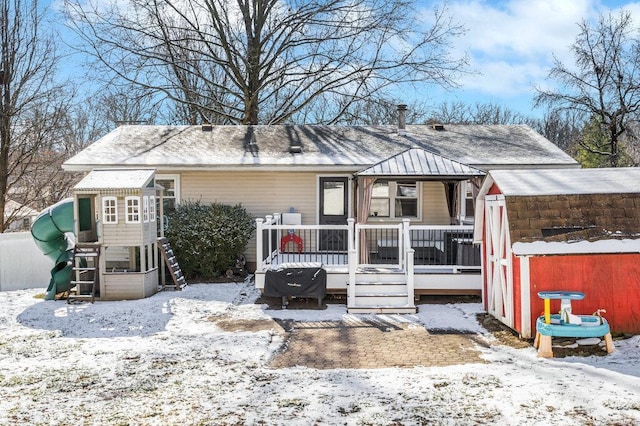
301	282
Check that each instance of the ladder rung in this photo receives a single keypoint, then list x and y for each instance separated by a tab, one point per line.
82	282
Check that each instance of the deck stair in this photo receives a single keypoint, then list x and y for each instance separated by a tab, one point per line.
382	294
177	276
85	273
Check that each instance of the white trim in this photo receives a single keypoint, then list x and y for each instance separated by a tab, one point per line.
176	190
348	189
525	298
114	214
145	209
134	215
152	208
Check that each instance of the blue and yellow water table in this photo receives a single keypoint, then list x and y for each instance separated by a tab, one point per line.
566	324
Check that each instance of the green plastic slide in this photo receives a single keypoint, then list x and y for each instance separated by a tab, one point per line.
49	232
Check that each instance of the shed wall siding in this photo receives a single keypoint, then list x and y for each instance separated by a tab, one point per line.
609	281
122	234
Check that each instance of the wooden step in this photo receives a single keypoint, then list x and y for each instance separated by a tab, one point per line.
379	309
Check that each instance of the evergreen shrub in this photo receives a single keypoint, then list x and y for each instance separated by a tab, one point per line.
207	238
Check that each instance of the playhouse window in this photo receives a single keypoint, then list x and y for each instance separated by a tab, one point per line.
122	259
132	205
109	210
395	199
145	209
152	208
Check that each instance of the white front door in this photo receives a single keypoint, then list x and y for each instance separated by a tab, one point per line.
498	260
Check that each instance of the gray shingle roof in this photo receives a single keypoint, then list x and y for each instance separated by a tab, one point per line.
181	147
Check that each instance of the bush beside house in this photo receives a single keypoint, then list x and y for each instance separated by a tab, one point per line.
207	238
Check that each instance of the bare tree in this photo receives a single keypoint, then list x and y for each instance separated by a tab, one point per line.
370	112
562	128
479	113
267	61
30	105
603	86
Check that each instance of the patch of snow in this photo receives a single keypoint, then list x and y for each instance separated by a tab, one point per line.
576	247
163	360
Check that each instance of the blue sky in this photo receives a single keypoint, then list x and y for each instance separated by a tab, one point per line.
511	44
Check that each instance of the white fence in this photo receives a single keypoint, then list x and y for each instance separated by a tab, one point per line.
22	264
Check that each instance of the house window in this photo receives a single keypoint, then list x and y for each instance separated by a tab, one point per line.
145	209
171	185
152	208
467	209
109	210
132	205
395	199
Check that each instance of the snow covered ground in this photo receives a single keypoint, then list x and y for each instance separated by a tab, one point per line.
163	361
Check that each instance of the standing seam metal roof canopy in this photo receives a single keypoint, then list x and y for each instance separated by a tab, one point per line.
417	162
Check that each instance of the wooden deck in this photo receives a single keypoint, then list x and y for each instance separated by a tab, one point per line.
381	268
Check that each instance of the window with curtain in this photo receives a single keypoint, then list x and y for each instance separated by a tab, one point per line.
395	199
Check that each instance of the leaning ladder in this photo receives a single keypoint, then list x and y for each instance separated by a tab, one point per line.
85	272
172	264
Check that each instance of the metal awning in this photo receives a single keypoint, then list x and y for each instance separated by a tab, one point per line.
116	179
422	165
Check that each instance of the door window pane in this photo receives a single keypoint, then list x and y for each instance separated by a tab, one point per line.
333	199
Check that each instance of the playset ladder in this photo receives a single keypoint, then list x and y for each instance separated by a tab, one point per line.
85	272
172	264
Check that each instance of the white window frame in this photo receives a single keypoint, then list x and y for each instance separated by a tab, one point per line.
132	215
392	202
152	208
109	217
176	186
145	209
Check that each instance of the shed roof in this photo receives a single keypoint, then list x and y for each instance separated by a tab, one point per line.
417	162
345	147
567	181
115	179
564	207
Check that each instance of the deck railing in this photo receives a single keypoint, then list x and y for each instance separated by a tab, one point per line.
437	248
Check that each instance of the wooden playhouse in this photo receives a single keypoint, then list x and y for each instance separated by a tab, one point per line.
560	230
115	219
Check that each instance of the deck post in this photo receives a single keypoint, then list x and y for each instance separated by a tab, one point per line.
352	262
410	277
259	222
405	242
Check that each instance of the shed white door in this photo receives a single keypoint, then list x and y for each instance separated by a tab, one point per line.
498	260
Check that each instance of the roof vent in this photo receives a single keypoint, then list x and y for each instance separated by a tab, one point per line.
207	127
295	149
402	118
437	126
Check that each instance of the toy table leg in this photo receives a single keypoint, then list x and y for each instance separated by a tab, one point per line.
544	350
608	342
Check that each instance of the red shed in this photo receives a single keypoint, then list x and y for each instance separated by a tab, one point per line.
560	229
